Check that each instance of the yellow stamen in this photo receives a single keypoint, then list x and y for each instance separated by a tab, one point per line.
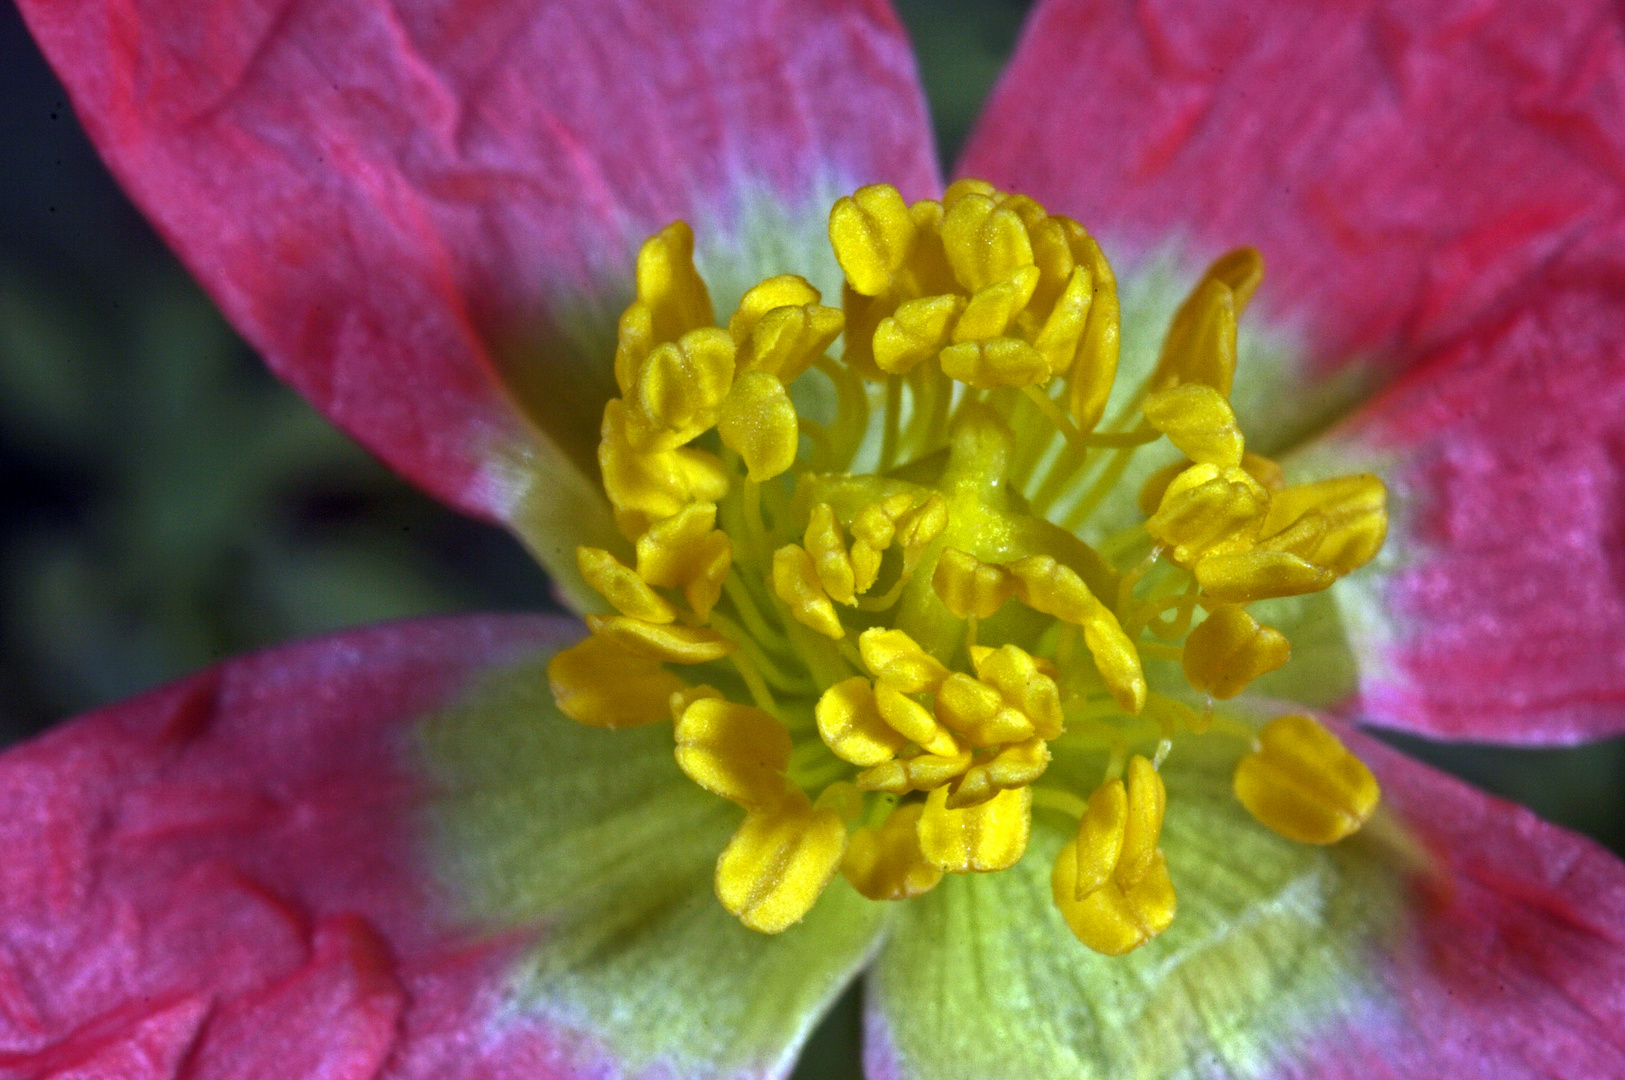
886	863
850	723
837	649
779	861
1231	649
988	836
1111	880
1302	782
736	751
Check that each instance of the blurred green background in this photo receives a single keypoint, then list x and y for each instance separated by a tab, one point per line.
164	502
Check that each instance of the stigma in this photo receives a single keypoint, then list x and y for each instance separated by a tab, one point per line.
857	586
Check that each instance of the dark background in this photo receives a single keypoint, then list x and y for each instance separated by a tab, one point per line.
165	503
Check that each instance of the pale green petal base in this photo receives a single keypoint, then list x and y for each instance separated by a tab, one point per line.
981	978
597	840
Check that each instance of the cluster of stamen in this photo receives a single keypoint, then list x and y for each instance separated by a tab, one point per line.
874	626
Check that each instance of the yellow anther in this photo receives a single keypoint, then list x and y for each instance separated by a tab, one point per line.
785	290
1353	520
646	487
886	863
871	232
1052	251
781	328
778	862
1112	920
667	643
1302	536
1242	269
1063	328
908	717
1095	367
968	586
1147	802
1201	342
684	696
1028	209
671	300
988	836
992	309
1244	577
669	284
685	551
989	365
621	586
897	660
1198	420
790	340
1231	649
1260	468
1014	766
680	390
1026	683
985	242
826	543
736	751
850	724
979	655
1099	845
1209	510
1302	782
759	423
967	186
921	772
1056	590
980	713
865	565
916	332
601	683
795	581
1204	349
1111	881
634	341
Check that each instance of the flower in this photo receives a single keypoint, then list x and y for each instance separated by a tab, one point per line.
423	218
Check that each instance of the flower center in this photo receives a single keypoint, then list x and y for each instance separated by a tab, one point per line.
857	586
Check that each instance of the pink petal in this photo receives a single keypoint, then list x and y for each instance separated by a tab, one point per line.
397	204
218	879
1517	966
1504	615
386	856
1405	168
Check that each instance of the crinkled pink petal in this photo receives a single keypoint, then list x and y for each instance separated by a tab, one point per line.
1504	617
385	197
1516	969
221	879
1406	169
